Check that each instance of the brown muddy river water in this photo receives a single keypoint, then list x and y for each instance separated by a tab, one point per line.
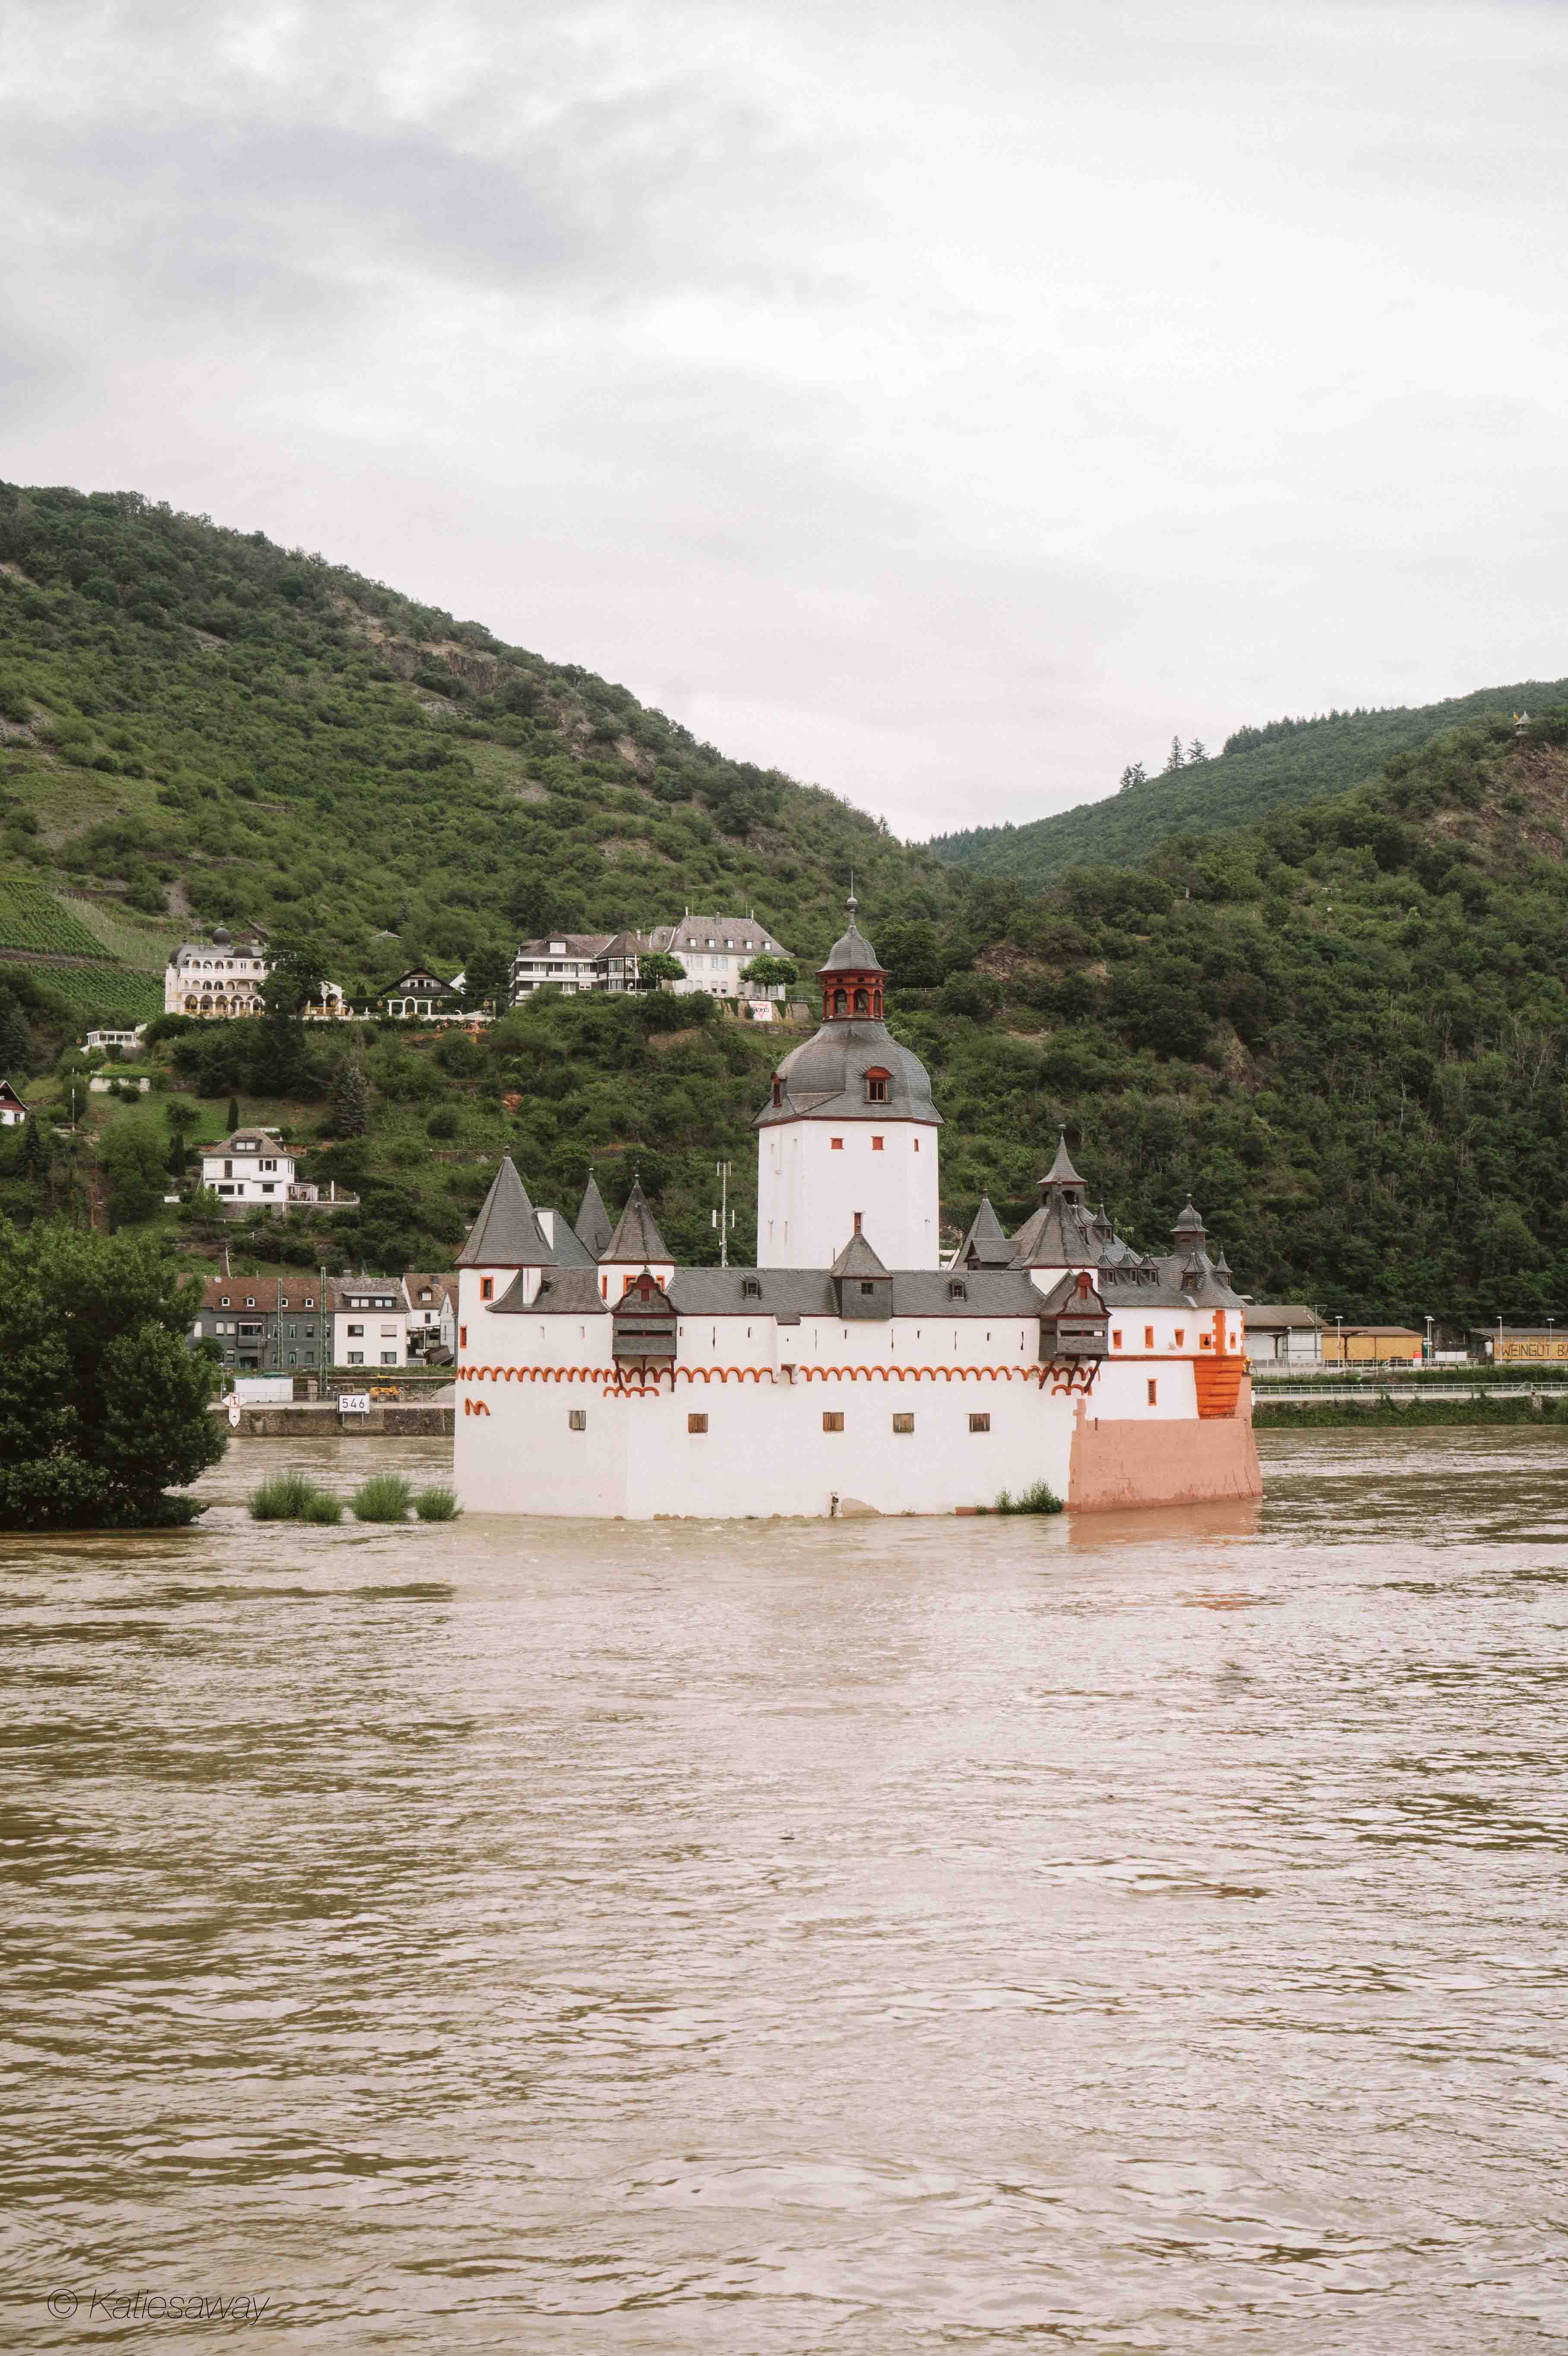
1134	1934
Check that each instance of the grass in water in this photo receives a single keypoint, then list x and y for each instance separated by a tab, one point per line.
1037	1498
437	1505
384	1497
290	1497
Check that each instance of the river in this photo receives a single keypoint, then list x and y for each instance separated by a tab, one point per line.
1107	1934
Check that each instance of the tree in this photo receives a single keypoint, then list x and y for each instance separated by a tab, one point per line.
131	1156
1135	774
487	977
768	972
656	966
233	1116
1176	758
101	1405
1197	750
348	1106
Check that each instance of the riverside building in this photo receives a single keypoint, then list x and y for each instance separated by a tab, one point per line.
850	1371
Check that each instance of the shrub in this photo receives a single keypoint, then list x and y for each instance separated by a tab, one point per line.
290	1497
437	1505
384	1497
1037	1498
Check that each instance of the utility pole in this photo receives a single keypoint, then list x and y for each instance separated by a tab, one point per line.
723	1218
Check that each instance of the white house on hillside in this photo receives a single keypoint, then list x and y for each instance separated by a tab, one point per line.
714	949
13	1111
216	978
249	1167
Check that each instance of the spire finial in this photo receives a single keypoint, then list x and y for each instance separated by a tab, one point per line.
851	903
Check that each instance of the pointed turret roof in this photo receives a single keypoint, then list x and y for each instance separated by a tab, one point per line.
1061	1172
592	1220
858	1258
987	1244
507	1233
636	1239
852	952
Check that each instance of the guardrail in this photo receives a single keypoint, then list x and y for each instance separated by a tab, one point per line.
1483	1375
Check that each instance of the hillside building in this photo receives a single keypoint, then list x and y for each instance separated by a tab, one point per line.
367	1321
263	1325
222	979
714	950
13	1111
711	950
848	1371
253	1171
421	995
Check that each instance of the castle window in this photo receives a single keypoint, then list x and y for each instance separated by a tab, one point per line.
697	1423
979	1424
778	1092
1180	1336
862	1003
840	1003
904	1423
486	1287
837	1144
1116	1338
1153	1392
1148	1337
877	1086
917	1145
958	1292
831	1422
868	1284
750	1288
577	1418
876	1144
1205	1342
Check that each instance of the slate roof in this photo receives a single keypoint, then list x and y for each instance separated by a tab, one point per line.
793	1293
507	1233
742	935
364	1292
987	1240
852	952
570	1251
1061	1172
636	1237
578	945
563	1292
250	1141
1286	1318
441	1289
858	1258
592	1221
824	1078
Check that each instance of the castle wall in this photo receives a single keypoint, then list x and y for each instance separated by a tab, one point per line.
1130	1461
808	1190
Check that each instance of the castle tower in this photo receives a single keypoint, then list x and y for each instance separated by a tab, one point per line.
849	1141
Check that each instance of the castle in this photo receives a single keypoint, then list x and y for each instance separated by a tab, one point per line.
850	1371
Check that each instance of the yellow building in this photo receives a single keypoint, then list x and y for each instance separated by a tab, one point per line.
1370	1345
1522	1341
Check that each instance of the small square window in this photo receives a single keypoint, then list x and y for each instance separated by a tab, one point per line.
1205	1342
1153	1394
831	1422
956	1292
355	1357
837	1144
876	1144
577	1418
697	1423
979	1424
904	1423
868	1284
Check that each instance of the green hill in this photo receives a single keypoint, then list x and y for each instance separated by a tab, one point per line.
1342	1026
1260	769
195	724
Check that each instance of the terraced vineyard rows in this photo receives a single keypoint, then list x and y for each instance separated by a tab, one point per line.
32	918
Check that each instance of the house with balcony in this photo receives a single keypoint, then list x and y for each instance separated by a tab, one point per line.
263	1325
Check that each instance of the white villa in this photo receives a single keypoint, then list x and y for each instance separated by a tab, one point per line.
712	950
218	980
850	1371
250	1167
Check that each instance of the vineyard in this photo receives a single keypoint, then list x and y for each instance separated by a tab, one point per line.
32	918
120	933
103	993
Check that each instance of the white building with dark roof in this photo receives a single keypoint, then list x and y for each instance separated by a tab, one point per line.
848	1371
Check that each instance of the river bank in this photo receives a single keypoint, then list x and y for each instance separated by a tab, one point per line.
1433	1413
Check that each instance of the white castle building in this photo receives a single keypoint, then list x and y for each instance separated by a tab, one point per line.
850	1371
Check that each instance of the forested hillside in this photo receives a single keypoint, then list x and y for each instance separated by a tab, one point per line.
1279	766
196	723
1342	1028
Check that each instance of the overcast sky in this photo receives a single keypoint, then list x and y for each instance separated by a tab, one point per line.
944	403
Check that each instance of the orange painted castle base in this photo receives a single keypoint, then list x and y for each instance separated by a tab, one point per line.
1122	1463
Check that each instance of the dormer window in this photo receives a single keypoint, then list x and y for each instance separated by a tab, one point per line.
778	1092
957	1291
250	1301
750	1288
877	1086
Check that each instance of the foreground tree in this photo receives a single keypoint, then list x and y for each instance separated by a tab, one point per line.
656	967
768	972
101	1405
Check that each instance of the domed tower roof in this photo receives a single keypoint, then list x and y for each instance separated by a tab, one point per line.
851	1068
1189	1226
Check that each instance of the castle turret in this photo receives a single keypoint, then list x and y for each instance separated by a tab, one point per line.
850	1137
636	1248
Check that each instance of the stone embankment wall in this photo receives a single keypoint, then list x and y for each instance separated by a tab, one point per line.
306	1418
